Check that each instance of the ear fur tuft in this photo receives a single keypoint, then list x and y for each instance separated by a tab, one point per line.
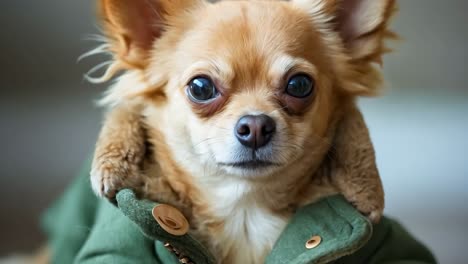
356	32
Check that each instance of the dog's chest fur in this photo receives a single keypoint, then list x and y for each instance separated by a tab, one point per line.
249	228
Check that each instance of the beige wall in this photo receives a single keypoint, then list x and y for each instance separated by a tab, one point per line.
433	51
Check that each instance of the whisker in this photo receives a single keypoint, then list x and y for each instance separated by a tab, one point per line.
222	128
205	140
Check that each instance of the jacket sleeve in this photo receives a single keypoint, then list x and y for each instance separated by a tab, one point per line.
400	247
84	229
68	221
115	239
391	243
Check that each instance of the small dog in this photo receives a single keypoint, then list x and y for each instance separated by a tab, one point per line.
239	112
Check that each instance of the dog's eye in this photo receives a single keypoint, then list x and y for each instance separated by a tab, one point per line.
300	86
201	89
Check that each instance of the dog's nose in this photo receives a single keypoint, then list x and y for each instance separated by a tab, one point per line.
255	131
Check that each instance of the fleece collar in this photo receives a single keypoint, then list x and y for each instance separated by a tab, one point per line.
341	228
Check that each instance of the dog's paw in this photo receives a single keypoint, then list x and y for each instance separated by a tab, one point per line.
371	208
112	172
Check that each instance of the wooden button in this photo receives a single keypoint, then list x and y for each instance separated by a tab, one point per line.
171	219
313	242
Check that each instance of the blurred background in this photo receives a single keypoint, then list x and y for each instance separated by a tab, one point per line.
49	122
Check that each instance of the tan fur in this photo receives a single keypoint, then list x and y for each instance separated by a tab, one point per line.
353	168
322	144
121	150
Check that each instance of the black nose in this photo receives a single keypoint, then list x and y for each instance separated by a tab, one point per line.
255	131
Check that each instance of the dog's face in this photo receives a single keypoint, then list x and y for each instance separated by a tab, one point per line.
248	88
251	86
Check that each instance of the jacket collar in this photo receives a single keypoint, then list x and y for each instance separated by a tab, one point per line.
335	227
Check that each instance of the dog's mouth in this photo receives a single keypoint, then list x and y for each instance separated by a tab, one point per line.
250	164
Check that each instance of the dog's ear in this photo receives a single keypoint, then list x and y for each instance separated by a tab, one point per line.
352	165
362	27
132	26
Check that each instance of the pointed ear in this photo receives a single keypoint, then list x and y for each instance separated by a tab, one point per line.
363	25
132	26
357	28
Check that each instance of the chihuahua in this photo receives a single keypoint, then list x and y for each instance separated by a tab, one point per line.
239	112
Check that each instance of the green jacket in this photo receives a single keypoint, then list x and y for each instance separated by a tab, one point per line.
84	229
